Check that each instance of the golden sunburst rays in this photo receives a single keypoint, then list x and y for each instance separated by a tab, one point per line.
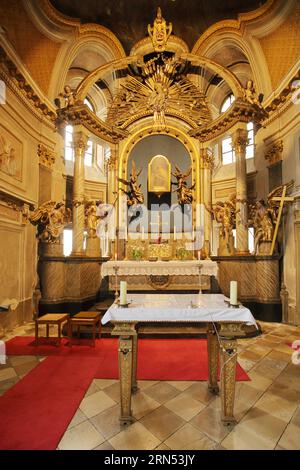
160	89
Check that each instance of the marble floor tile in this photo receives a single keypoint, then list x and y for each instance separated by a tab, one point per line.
19	360
142	404
259	381
270	368
185	406
92	389
113	391
208	421
189	438
143	384
104	383
107	422
162	447
7	373
276	406
257	430
78	418
290	439
94	404
199	391
81	437
134	437
180	384
162	422
105	446
161	392
24	369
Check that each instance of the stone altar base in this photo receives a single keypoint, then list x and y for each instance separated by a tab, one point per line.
258	283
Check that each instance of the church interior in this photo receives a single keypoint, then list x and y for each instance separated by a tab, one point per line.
149	225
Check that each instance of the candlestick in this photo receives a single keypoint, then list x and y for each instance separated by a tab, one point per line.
233	293
123	292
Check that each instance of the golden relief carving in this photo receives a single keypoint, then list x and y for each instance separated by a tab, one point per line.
46	156
16	81
158	88
159	32
275	153
50	219
10	157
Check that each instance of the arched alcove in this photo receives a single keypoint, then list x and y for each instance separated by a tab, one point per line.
148	147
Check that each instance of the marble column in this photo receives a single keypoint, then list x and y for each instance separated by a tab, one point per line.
206	167
239	144
80	140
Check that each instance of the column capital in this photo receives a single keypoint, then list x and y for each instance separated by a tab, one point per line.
80	140
240	140
207	158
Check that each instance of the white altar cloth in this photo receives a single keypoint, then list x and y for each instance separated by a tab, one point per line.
176	308
160	268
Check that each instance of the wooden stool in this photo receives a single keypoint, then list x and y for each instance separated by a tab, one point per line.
51	319
85	318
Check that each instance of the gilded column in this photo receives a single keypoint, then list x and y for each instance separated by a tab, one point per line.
206	167
79	144
112	191
239	144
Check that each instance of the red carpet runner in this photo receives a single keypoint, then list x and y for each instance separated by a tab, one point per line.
35	413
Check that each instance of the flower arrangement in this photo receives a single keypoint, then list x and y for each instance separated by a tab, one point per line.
182	253
136	254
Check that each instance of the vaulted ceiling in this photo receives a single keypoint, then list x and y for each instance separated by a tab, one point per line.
128	19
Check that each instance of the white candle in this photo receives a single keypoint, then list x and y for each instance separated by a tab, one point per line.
174	233
199	255
143	233
233	293
123	292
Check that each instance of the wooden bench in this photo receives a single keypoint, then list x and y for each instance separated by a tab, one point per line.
86	319
51	319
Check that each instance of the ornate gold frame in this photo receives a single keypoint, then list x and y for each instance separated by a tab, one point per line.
164	188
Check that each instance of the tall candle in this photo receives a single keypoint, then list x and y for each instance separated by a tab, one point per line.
143	233
123	292
199	255
233	293
174	236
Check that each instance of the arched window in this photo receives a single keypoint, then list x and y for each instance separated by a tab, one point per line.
227	103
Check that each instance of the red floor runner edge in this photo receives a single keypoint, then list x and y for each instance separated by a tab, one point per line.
35	413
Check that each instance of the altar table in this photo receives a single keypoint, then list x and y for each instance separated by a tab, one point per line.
161	275
223	325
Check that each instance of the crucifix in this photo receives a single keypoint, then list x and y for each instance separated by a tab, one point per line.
282	199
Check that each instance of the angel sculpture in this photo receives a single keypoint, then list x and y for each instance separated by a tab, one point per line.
225	214
263	219
264	215
134	193
50	219
251	96
91	217
184	194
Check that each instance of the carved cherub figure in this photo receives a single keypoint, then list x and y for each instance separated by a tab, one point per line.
50	219
251	95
